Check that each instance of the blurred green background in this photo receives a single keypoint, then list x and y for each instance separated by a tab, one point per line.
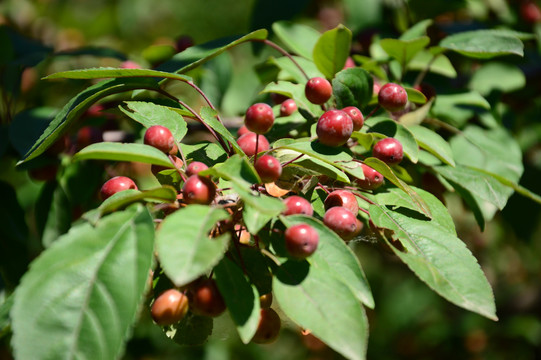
410	321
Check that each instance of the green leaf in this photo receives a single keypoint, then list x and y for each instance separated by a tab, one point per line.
483	44
332	50
479	184
195	56
27	126
497	76
416	116
5	308
391	128
299	38
241	298
205	152
256	267
124	198
415	96
352	87
456	109
440	259
149	114
336	156
209	116
396	198
266	205
107	72
433	143
417	30
333	254
236	169
386	171
124	152
81	295
482	149
254	219
313	298
404	50
78	105
184	247
437	64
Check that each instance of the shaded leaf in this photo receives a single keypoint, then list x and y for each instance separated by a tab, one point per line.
78	105
192	330
404	50
149	114
185	248
440	259
391	128
433	143
497	76
106	72
240	296
209	116
333	254
314	299
81	295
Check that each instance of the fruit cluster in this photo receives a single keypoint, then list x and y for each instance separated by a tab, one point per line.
334	129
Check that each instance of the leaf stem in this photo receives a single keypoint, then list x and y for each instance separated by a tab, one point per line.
285	53
270	256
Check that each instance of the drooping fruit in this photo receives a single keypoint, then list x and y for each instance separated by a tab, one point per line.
298	205
169	307
206	298
159	137
318	90
268	168
388	150
342	221
268	327
195	167
259	118
342	198
392	97
356	116
288	107
198	190
372	178
116	184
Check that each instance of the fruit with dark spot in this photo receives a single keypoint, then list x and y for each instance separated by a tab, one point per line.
301	240
392	97
297	205
206	298
356	116
198	190
388	150
334	128
268	327
372	178
342	198
342	221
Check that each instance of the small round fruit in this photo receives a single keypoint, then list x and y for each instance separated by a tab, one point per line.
206	299
342	221
372	178
342	198
356	116
318	90
265	301
334	128
288	107
268	327
160	137
530	12
116	184
259	118
428	90
169	307
195	167
198	190
392	97
388	150
297	205
247	143
301	240
242	130
269	168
